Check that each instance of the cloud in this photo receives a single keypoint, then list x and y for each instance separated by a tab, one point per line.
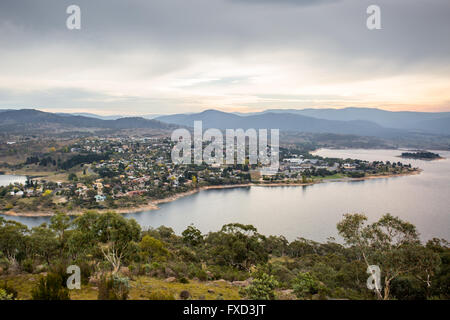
183	55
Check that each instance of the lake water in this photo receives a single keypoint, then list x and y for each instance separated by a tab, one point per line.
6	179
313	211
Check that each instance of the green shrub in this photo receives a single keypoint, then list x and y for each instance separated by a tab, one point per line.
146	268
202	275
50	287
261	288
59	268
187	255
132	268
113	288
153	249
228	273
408	288
86	270
5	296
282	274
183	280
9	292
306	285
27	265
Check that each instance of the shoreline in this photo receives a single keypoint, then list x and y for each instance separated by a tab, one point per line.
153	204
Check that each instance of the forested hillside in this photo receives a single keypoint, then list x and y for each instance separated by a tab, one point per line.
118	260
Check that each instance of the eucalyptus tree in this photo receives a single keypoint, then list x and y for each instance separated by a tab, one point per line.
391	244
13	241
237	245
109	234
60	223
43	243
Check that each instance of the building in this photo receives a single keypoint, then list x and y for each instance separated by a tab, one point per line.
100	198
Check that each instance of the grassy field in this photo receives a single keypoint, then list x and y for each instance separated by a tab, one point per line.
54	176
142	288
334	176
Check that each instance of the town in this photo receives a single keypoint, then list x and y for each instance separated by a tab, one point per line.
129	173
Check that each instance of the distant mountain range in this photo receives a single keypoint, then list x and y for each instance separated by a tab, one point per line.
356	121
111	117
282	121
26	120
431	122
359	121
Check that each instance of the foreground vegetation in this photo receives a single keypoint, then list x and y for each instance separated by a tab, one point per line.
118	260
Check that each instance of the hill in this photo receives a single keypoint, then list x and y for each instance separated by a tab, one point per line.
30	120
428	122
282	121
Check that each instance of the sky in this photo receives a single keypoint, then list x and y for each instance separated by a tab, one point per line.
177	56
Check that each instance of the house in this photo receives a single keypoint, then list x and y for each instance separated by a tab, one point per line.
135	193
81	186
349	166
293	160
100	198
268	171
98	185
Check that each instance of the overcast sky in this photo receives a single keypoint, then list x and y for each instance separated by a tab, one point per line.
173	56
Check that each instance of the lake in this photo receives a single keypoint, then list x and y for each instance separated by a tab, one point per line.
312	211
6	179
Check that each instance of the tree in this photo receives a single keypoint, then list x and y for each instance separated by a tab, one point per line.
390	243
110	232
302	246
237	245
277	246
427	263
13	241
43	242
305	285
90	194
60	223
441	281
192	236
152	248
166	233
